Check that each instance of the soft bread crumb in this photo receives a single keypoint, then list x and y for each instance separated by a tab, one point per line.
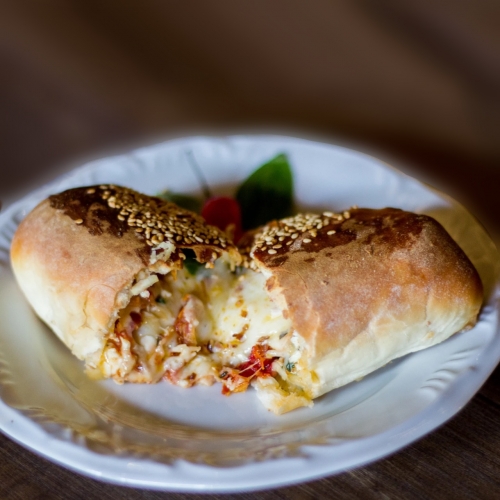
275	399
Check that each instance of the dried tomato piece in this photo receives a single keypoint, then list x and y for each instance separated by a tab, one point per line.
257	362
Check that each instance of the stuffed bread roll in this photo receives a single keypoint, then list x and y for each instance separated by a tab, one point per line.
322	300
92	262
360	289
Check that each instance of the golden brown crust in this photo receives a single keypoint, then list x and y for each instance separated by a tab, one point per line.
364	277
77	251
116	210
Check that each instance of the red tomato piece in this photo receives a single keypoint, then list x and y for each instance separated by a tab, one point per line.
224	212
257	362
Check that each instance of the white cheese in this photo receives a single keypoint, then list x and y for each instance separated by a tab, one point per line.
144	284
200	324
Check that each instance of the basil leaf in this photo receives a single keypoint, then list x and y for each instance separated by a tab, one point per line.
182	200
267	194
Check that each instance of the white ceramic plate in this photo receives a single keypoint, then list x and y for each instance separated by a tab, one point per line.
196	440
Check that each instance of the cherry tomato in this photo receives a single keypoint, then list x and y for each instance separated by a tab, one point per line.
224	212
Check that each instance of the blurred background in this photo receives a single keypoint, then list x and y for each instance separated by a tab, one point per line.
414	82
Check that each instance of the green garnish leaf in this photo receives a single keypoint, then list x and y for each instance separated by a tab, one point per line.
190	263
160	300
182	200
267	194
289	366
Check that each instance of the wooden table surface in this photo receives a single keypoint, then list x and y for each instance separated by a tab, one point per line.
412	82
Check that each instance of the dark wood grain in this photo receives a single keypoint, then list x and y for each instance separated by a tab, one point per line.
412	82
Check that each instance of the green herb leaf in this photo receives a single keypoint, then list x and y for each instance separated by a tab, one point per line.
190	263
183	200
267	194
289	366
160	300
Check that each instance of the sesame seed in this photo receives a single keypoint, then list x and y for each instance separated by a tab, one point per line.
79	221
91	191
120	217
329	233
271	251
306	240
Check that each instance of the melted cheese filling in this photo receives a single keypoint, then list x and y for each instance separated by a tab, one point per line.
215	325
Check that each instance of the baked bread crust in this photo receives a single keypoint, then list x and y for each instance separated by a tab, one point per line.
365	287
78	254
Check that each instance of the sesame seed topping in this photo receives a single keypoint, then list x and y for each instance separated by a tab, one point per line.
155	220
271	251
329	233
284	232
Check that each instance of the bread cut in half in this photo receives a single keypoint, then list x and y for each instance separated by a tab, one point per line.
142	290
91	260
362	288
